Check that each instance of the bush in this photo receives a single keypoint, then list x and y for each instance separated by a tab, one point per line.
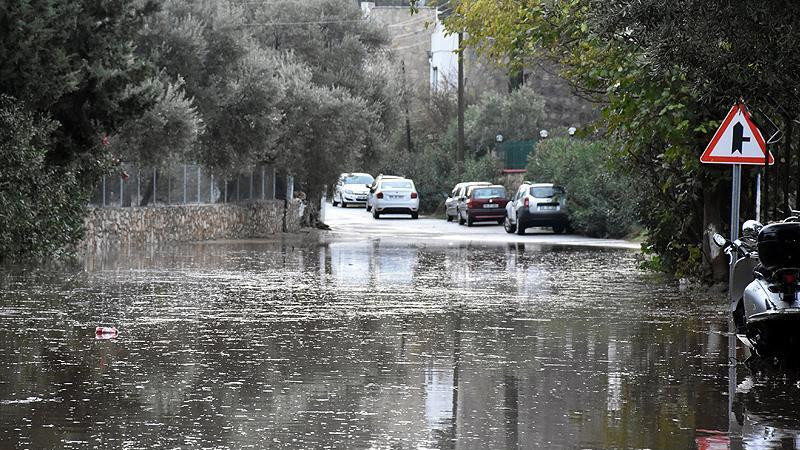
41	207
600	197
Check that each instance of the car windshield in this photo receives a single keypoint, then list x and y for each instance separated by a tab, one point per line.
400	184
546	192
489	193
358	179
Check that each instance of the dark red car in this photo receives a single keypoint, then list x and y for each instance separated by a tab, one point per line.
483	203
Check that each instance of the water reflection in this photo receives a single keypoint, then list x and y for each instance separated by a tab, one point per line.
365	344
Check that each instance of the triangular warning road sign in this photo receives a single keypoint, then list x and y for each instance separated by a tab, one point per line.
737	141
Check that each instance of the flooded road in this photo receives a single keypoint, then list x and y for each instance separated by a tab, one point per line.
373	344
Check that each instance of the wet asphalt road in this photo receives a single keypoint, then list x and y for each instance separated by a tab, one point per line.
376	337
356	221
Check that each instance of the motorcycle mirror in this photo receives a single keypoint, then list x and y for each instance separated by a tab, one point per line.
720	240
751	228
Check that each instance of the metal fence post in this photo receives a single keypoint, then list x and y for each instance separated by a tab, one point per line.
138	187
198	185
263	183
225	195
211	190
155	190
184	184
104	191
250	194
274	183
169	189
237	188
121	192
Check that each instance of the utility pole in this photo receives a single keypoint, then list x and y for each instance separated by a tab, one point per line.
460	139
409	146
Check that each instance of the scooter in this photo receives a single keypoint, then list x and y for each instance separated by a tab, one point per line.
765	292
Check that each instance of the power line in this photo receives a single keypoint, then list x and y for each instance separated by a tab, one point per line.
413	33
409	46
314	22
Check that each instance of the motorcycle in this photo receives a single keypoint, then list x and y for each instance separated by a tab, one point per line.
765	288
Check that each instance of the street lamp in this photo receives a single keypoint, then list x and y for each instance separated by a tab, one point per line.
572	131
543	134
499	138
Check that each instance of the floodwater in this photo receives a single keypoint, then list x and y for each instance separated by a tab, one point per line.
374	344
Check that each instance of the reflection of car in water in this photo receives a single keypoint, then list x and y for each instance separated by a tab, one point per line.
350	261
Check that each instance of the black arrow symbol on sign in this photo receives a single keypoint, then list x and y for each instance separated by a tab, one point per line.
738	138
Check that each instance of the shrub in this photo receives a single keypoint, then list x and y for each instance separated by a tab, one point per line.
41	207
600	197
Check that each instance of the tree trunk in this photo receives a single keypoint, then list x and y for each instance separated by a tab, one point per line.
311	213
148	193
787	166
713	207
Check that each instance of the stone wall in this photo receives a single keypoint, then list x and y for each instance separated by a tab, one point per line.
109	227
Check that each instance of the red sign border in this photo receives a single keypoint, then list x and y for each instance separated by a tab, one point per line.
708	159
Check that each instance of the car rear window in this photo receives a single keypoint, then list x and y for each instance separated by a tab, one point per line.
546	192
489	193
396	185
358	179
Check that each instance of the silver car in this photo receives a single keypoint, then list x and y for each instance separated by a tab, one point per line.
452	202
395	196
351	189
537	205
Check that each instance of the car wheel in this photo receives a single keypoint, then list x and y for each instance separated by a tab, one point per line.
470	221
500	221
520	230
333	200
376	214
415	215
344	204
461	220
368	208
510	227
449	217
558	229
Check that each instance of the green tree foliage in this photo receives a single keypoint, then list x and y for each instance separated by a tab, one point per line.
41	206
74	61
648	104
515	116
601	200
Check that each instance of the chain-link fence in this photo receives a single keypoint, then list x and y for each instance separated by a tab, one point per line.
189	184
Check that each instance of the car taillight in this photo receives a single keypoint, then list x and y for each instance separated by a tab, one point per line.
527	202
789	278
470	203
379	195
413	195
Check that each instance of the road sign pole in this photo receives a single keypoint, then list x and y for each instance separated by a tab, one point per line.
736	188
758	197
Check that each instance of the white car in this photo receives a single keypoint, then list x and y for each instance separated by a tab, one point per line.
394	196
374	186
351	189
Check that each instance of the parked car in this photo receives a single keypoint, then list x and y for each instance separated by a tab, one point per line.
395	196
451	204
374	186
483	203
351	188
537	205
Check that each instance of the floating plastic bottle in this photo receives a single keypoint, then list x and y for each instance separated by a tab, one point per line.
105	332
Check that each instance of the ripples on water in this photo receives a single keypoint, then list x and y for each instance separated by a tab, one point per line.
367	344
